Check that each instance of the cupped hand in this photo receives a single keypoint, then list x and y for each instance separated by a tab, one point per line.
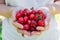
20	26
40	29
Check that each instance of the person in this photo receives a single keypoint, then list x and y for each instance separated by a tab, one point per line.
10	27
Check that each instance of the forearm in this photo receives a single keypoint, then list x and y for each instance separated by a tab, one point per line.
5	11
55	8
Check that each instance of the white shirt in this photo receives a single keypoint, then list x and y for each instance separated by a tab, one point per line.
9	32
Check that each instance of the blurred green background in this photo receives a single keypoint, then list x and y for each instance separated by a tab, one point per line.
0	31
1	28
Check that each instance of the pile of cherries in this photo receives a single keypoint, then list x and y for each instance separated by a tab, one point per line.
30	19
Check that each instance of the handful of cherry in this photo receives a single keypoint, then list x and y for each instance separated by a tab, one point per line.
30	19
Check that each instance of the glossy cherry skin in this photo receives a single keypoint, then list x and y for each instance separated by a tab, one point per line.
21	20
26	27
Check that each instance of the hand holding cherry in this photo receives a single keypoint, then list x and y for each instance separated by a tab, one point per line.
31	20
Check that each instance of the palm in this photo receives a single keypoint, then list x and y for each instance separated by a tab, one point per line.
40	29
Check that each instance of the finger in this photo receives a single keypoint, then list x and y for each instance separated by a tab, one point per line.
35	33
26	33
17	25
20	31
46	25
46	28
40	28
43	28
23	32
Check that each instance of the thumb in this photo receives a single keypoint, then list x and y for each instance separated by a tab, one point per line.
40	28
43	28
17	25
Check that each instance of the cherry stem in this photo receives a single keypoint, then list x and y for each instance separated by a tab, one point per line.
23	35
32	8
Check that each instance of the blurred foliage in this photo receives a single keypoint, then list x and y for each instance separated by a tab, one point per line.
0	32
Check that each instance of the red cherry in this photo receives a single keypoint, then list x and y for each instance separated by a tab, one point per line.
33	11
32	16
36	17
41	23
29	22
20	20
26	27
18	15
25	19
43	17
21	11
32	29
39	12
27	11
33	23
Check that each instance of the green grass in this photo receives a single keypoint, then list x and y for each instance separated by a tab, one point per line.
0	32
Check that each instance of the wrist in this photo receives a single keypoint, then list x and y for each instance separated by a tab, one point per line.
5	11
